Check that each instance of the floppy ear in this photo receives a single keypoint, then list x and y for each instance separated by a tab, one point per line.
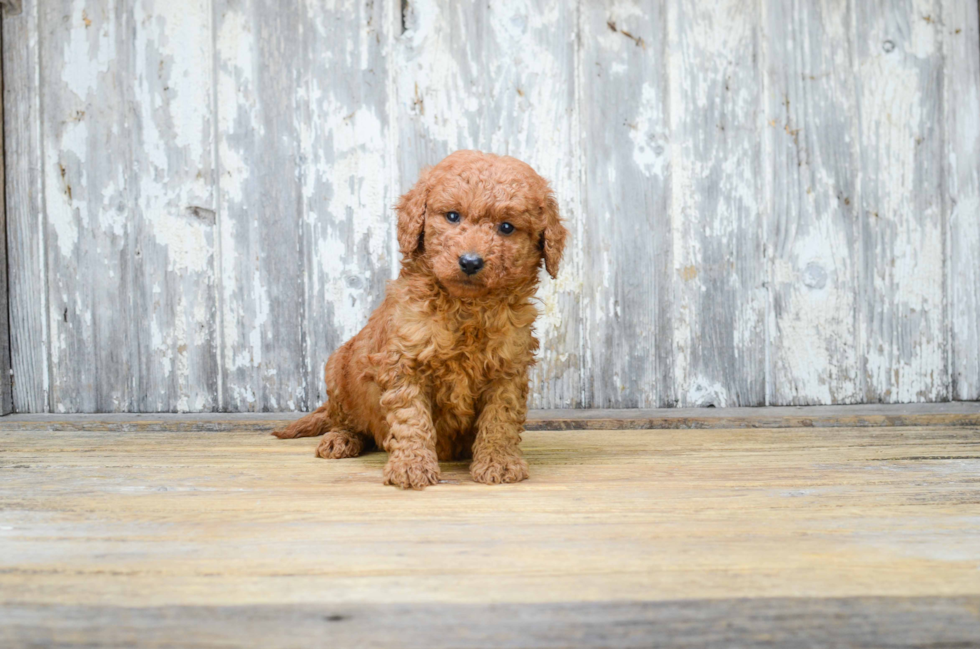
553	237
411	216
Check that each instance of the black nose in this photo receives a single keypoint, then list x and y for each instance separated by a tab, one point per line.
470	263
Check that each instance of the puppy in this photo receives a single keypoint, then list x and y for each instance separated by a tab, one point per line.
440	372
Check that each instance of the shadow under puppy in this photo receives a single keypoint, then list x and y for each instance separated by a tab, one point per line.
440	372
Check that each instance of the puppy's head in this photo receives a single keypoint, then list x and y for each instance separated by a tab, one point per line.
481	222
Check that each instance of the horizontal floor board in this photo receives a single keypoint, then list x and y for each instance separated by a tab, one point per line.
787	623
699	538
961	413
243	518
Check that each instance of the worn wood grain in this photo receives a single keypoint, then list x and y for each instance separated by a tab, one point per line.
901	283
306	236
719	297
501	77
11	7
6	391
961	123
172	161
626	291
259	60
346	171
770	202
859	416
129	233
787	623
26	252
812	240
90	204
241	525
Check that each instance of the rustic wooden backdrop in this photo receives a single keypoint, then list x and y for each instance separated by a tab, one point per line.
771	201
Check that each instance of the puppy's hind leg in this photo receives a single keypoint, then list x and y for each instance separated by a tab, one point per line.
338	444
316	423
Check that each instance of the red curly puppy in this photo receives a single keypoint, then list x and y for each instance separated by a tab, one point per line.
440	372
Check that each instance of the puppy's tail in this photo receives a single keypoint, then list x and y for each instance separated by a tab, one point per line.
316	423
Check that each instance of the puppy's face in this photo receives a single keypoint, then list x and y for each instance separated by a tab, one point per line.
481	223
481	237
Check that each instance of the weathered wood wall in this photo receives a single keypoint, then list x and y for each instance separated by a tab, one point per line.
6	385
771	201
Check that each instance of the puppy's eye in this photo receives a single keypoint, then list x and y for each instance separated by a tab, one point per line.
505	228
453	217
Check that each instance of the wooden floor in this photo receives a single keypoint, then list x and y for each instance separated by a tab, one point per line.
696	538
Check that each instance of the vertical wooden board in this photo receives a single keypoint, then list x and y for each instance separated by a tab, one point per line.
172	166
6	394
345	169
530	112
961	121
716	122
25	221
501	77
89	204
812	240
128	281
901	278
626	293
127	147
259	60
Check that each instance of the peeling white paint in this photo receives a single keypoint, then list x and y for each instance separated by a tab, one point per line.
187	245
872	293
905	351
702	393
648	146
88	51
431	80
161	348
253	354
65	189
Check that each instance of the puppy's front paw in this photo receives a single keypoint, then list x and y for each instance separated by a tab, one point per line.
412	472
496	469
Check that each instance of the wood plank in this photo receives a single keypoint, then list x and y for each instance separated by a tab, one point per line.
901	282
26	247
173	164
500	77
128	205
812	238
259	54
626	295
792	622
930	414
346	170
89	204
242	519
719	300
6	389
961	124
305	214
136	283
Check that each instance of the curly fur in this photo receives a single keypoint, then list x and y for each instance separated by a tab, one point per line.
440	372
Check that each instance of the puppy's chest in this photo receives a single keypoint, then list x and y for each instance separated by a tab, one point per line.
471	354
461	373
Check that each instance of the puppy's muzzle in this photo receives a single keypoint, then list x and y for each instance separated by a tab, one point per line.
471	264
